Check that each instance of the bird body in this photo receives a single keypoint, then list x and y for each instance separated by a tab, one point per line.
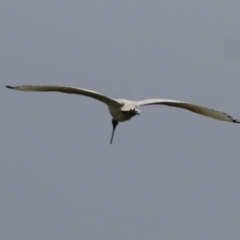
122	109
125	111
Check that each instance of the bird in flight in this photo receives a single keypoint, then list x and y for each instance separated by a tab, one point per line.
122	109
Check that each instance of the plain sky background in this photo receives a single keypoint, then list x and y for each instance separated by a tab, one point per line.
169	174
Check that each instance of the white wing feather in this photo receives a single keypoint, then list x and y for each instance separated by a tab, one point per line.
70	90
191	107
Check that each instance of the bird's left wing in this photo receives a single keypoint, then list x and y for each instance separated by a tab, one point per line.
70	90
191	107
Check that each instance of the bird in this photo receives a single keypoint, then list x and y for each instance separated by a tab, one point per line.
123	110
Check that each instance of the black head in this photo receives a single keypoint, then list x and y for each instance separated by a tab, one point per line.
114	123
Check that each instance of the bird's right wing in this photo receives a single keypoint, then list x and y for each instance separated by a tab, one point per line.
70	90
191	107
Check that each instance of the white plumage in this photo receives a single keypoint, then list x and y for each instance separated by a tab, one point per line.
122	109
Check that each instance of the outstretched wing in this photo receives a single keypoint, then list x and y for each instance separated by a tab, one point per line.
70	90
191	107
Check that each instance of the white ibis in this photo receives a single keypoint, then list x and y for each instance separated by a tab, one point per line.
123	110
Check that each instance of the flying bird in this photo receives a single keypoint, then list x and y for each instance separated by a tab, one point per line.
123	110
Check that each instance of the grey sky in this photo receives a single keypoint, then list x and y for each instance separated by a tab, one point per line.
170	174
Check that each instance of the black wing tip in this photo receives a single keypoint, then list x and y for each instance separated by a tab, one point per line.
9	87
231	119
236	121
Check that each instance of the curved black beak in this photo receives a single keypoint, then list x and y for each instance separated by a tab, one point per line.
114	123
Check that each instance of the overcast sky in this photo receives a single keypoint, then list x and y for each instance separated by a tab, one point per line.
169	174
